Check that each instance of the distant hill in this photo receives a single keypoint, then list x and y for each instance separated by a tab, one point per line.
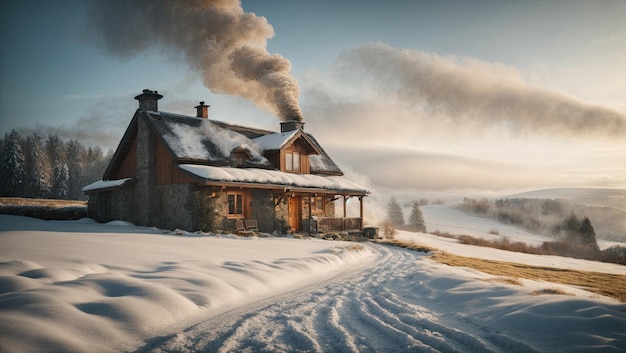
605	207
608	197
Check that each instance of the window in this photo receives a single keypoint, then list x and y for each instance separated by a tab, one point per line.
317	204
239	157
235	204
239	161
292	161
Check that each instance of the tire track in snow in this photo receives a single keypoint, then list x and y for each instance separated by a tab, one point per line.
356	312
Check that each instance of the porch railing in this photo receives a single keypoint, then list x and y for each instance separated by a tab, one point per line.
331	224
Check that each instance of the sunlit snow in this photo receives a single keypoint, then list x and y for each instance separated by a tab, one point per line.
80	286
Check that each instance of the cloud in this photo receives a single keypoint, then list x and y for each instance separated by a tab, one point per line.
420	91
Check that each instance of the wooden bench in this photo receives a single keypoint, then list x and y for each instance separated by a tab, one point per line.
247	227
251	225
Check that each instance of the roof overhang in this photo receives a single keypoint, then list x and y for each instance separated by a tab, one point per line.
106	185
273	180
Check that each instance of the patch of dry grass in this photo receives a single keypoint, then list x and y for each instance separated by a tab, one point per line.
20	201
550	291
356	247
444	234
507	280
407	244
43	208
607	284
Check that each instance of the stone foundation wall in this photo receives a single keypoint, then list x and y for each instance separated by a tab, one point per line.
263	210
174	207
113	205
281	215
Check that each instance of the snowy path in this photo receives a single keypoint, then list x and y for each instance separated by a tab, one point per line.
384	308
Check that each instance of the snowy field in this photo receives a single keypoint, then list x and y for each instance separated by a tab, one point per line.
80	286
448	219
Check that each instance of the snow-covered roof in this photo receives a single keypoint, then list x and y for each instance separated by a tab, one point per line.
191	138
275	141
272	177
106	184
211	142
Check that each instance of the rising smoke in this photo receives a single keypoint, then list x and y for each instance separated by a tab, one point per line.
216	37
472	93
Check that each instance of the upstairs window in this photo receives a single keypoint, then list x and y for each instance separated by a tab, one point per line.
239	157
239	161
235	204
292	161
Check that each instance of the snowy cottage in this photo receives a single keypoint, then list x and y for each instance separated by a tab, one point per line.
176	171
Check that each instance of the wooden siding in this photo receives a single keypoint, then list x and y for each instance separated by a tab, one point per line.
128	167
274	158
167	171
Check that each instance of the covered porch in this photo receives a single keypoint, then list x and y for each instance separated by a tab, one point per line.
339	221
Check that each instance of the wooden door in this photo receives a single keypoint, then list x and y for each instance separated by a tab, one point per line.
295	212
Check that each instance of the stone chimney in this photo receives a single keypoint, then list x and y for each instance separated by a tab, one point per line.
291	125
202	110
148	100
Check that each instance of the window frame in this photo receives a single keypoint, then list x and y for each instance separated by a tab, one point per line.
293	161
236	195
316	201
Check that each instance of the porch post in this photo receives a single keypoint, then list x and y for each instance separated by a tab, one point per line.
310	214
343	220
361	210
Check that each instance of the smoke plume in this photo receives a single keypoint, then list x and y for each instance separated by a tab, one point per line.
216	37
470	92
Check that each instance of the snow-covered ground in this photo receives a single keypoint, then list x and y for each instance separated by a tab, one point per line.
448	219
79	286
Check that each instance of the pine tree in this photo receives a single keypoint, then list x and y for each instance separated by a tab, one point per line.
588	234
37	169
572	225
55	150
12	173
60	186
416	219
394	213
75	156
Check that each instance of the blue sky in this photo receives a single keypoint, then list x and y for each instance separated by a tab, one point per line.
55	76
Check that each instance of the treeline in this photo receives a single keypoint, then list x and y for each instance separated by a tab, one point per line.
52	168
547	216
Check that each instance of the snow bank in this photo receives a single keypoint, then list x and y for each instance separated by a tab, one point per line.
81	286
409	303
